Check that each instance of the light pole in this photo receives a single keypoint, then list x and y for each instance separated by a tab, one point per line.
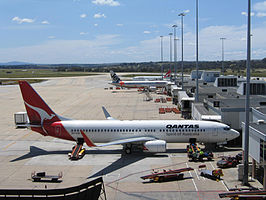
161	55
247	107
197	52
222	39
182	48
175	57
170	41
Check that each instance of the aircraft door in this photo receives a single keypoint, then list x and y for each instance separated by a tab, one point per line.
58	130
215	132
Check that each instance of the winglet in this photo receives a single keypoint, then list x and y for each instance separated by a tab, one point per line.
87	140
106	114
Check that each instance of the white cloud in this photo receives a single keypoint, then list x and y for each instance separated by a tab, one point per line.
45	22
99	15
96	50
261	14
260	6
95	24
51	37
246	14
146	32
119	24
83	33
22	20
106	2
83	15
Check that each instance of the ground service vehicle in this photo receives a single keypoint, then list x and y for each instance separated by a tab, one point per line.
41	176
77	152
195	153
167	175
227	162
211	174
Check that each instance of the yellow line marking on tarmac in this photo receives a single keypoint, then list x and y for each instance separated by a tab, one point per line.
26	135
7	146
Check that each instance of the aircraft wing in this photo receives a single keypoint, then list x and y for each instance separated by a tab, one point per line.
127	140
115	142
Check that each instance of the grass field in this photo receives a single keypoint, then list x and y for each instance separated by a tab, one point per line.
39	73
11	76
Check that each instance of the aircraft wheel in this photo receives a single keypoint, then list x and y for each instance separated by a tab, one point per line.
128	150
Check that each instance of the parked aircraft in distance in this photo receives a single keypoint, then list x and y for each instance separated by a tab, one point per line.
153	78
116	81
149	135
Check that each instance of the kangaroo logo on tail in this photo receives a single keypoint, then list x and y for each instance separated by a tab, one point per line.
43	114
114	77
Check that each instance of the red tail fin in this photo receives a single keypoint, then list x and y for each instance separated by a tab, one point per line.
38	111
168	74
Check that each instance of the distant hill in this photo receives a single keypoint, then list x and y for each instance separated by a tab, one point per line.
16	63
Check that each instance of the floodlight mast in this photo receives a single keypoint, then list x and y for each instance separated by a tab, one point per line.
175	55
222	39
247	107
170	68
161	55
182	47
197	52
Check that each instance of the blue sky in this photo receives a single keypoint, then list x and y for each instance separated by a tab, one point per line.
108	31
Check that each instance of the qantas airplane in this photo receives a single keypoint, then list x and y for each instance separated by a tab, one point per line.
149	135
116	81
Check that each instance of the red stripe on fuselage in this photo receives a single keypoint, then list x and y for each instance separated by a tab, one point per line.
87	140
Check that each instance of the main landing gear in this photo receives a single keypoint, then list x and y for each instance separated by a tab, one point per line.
128	148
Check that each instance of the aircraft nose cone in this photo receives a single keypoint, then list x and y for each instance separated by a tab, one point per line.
234	134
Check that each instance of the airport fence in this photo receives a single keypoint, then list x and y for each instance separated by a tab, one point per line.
90	190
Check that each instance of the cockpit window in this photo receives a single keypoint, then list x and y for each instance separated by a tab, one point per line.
226	128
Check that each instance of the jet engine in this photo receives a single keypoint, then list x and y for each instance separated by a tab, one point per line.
155	146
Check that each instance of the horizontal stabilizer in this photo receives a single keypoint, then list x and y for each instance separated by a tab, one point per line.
107	115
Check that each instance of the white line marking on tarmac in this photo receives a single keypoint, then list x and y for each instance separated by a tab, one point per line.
224	185
193	180
221	180
212	166
196	174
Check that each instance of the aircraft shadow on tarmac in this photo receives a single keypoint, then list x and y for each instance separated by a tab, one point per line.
124	161
35	151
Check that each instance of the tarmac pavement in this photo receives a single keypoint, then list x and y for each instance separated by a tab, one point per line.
23	151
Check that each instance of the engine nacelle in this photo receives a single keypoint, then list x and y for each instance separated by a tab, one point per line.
155	146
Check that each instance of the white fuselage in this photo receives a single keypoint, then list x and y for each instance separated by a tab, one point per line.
172	131
140	84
